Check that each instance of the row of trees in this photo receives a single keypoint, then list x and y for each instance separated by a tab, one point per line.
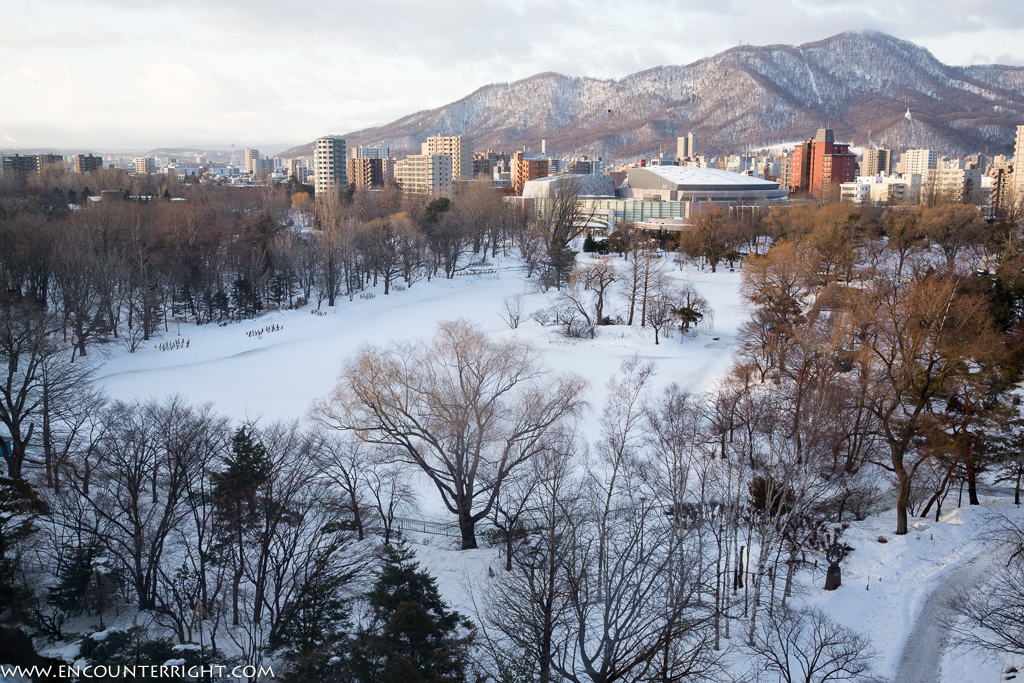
917	326
123	269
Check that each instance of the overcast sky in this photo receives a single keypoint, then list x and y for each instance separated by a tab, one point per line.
123	74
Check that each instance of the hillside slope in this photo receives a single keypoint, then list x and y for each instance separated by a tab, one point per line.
744	98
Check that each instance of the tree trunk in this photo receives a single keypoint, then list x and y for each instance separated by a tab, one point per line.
902	501
972	483
47	437
508	546
467	526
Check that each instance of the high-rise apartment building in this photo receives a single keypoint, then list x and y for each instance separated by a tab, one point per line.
18	165
1001	193
329	165
875	161
482	166
365	172
144	165
49	160
526	168
1017	192
686	147
819	165
459	148
920	161
424	173
252	161
86	163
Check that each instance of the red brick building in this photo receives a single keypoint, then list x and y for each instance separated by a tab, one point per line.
819	165
524	169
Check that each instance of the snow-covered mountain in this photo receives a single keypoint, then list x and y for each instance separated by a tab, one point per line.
747	97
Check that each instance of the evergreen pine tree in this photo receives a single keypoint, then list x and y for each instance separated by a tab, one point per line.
235	491
412	637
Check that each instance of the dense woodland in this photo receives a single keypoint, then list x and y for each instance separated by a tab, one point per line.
876	370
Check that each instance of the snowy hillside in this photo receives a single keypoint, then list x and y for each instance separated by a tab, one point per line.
745	98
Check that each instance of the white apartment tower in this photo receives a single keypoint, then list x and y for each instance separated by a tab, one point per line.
459	148
424	173
919	161
686	147
329	169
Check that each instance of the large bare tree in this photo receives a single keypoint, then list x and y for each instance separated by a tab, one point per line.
464	409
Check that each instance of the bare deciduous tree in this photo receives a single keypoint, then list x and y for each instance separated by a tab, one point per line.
465	410
809	647
513	311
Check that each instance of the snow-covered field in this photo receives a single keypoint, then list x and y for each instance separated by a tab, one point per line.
279	374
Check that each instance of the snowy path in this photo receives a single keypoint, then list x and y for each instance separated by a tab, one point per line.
922	654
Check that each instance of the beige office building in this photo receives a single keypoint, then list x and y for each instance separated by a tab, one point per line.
424	173
459	148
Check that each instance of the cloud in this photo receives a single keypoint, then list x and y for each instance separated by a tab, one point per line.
124	73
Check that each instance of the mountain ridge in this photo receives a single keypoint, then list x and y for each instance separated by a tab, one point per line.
744	98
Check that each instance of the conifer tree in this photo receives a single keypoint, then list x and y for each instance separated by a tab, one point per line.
412	635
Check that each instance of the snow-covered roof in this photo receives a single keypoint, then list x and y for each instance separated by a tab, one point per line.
693	178
591	184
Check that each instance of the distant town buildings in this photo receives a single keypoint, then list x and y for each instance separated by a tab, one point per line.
329	165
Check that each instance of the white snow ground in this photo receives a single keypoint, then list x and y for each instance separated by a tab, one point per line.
278	376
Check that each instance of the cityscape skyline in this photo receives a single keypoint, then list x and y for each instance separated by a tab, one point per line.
114	75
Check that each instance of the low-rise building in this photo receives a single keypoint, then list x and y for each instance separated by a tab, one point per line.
882	188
